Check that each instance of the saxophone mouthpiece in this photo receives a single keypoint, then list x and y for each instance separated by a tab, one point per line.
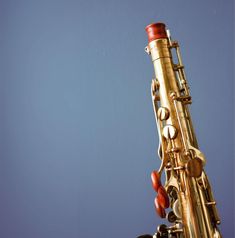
156	31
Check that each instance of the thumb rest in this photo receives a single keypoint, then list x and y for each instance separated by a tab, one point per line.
186	192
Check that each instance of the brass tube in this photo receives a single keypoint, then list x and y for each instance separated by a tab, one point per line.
186	182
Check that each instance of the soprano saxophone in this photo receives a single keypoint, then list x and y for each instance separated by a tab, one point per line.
186	191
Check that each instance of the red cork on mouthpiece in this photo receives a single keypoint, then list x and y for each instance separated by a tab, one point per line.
156	31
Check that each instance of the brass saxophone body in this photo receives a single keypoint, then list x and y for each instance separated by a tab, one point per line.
186	192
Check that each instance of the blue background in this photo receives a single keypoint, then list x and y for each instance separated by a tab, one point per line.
78	138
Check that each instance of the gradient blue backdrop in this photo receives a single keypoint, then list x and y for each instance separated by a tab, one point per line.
78	136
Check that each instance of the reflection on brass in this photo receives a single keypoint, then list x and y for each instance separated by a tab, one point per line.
192	211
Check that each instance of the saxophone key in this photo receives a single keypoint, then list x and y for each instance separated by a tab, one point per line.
169	132
163	113
162	197
156	180
171	217
159	209
194	167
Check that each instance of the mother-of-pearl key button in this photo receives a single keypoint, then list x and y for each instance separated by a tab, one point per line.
169	132
163	113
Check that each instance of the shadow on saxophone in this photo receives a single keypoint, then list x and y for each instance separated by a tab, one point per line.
186	193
